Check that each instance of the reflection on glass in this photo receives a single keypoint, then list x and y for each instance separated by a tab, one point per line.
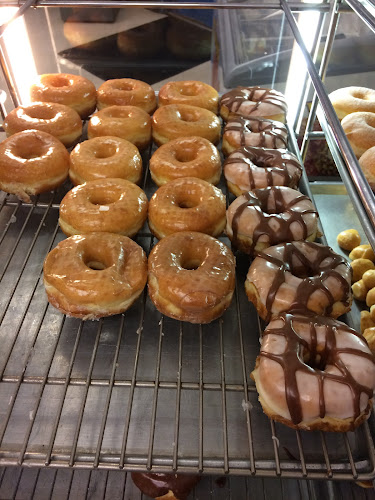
307	24
17	45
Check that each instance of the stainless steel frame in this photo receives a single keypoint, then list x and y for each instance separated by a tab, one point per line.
140	391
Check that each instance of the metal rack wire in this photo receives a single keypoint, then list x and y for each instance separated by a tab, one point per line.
140	391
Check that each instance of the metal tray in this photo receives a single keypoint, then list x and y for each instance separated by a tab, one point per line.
139	390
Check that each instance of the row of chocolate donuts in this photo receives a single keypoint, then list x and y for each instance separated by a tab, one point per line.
313	372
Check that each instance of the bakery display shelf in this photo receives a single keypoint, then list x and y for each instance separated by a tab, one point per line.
140	391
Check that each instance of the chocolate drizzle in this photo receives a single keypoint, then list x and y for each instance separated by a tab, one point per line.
286	215
298	352
258	95
156	485
295	261
270	130
279	162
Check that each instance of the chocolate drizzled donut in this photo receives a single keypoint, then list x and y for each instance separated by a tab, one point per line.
251	168
257	132
318	348
157	485
269	216
254	101
298	277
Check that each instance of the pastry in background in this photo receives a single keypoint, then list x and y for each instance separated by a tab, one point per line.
367	163
352	99
143	41
359	128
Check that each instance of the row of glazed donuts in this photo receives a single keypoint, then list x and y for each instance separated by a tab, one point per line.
312	372
185	301
104	198
133	124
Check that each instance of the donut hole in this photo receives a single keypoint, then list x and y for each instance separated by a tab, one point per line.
190	116
187	203
30	149
302	270
95	260
125	86
59	81
189	197
96	265
184	155
103	151
315	360
100	198
190	263
41	113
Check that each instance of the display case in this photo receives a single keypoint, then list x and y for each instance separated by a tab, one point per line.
140	391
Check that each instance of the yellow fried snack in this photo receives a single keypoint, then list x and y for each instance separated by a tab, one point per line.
362	252
360	266
348	239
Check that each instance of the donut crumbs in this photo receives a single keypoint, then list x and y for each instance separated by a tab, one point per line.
246	405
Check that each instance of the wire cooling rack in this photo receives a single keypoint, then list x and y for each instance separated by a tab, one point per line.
139	390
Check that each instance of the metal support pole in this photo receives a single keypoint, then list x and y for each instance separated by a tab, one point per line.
322	73
168	5
359	191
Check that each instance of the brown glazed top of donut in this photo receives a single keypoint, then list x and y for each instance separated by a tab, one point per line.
233	99
275	130
156	485
258	198
272	160
292	361
312	274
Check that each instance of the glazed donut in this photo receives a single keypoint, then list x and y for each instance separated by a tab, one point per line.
126	92
254	101
299	276
191	277
189	92
95	275
367	163
359	128
103	157
253	168
314	373
254	132
187	204
186	157
56	119
352	99
127	122
165	486
182	120
32	162
105	205
74	91
264	217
